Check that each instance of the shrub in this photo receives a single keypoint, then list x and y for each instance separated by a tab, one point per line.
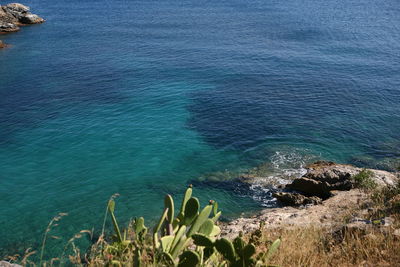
364	180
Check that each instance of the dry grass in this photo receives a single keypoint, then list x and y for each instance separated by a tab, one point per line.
319	247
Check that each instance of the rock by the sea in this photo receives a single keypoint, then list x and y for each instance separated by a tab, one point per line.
31	19
3	45
8	27
296	199
324	177
14	15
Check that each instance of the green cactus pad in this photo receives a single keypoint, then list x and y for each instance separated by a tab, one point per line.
216	231
202	240
178	236
225	247
180	246
191	210
139	225
169	203
188	259
249	251
186	197
239	245
216	216
200	219
166	242
207	227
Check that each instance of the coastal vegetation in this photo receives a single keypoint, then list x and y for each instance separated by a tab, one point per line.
365	234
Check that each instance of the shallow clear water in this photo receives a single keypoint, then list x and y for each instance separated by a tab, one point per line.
141	98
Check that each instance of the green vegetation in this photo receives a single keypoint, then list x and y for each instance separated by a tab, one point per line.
363	180
188	239
386	202
190	236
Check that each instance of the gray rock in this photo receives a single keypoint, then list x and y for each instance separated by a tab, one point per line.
8	264
16	10
6	17
8	27
310	187
31	19
323	177
13	15
295	199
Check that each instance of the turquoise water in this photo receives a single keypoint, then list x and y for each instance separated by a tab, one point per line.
142	98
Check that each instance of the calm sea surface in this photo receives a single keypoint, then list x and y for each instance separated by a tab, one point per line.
141	98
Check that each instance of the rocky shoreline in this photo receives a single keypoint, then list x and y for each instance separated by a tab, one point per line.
14	15
320	198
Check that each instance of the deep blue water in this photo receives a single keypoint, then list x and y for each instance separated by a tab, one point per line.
141	98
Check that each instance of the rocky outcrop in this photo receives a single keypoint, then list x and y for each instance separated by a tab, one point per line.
328	214
18	14
320	198
295	199
14	15
324	177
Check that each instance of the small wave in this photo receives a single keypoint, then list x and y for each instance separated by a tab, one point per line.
285	165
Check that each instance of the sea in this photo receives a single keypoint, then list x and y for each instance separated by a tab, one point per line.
143	98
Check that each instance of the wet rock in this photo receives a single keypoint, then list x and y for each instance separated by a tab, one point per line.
295	199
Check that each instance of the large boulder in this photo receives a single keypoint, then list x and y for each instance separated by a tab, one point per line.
31	19
13	15
310	187
295	199
323	177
